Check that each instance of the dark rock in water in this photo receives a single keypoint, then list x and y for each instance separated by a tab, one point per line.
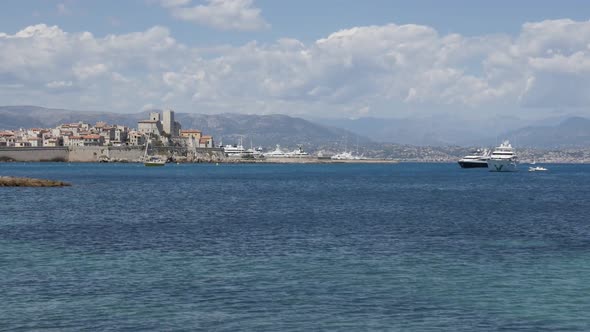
8	181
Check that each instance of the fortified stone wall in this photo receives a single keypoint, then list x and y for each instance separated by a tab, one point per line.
85	153
34	154
112	153
125	153
97	153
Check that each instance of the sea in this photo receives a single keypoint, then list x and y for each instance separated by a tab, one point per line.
267	247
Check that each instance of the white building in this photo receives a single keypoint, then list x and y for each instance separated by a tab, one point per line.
51	142
22	144
136	138
121	134
73	141
35	141
93	140
150	127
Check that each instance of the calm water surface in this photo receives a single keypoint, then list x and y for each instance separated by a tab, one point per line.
407	247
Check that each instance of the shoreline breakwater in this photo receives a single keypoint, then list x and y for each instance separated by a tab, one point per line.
131	154
107	154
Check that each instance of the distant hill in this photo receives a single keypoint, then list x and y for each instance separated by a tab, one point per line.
15	117
400	131
570	133
447	131
264	130
441	130
267	130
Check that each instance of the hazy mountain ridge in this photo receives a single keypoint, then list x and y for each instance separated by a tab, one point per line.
439	131
15	117
426	131
570	133
401	131
268	130
265	130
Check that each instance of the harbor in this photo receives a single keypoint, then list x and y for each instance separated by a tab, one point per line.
155	141
161	137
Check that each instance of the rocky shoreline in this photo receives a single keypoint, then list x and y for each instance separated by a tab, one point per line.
9	181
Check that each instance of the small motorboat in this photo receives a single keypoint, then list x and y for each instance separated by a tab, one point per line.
154	161
537	169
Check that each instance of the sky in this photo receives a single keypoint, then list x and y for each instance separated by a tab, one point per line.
328	58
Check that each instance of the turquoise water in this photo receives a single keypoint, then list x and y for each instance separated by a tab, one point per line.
407	247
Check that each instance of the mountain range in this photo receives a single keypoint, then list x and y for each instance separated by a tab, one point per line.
566	132
424	131
572	132
268	130
261	130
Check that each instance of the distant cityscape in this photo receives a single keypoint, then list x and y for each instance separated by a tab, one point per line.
163	130
160	129
443	154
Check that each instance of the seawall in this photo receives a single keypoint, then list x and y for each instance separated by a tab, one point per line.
34	154
87	154
108	153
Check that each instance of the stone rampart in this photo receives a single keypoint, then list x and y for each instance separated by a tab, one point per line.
105	153
109	153
34	154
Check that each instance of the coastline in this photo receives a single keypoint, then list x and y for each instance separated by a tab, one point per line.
307	161
294	161
133	154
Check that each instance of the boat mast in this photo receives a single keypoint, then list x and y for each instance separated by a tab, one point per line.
147	143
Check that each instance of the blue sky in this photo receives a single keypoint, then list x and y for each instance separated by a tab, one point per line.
472	59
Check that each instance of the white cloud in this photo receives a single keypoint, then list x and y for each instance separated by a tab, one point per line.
578	62
372	70
59	84
220	14
83	72
148	107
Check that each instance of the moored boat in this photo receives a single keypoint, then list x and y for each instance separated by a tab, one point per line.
537	169
478	159
235	150
152	160
346	156
276	153
503	159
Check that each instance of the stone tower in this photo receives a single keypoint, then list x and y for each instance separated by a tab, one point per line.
168	122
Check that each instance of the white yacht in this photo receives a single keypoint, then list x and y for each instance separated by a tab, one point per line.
298	153
236	150
503	159
345	156
478	158
255	153
277	153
